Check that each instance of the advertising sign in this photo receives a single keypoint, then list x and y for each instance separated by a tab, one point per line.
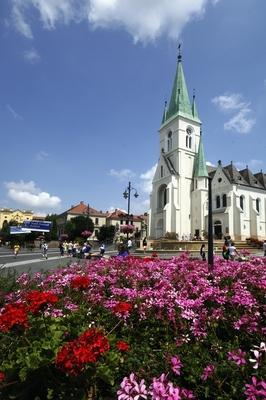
15	230
37	226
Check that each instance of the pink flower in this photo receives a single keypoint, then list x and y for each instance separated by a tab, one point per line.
130	389
237	356
176	365
256	390
207	372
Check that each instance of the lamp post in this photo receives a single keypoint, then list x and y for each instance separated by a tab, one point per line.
127	195
210	226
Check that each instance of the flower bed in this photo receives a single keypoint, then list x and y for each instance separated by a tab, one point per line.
136	329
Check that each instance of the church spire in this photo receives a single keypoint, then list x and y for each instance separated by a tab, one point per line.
194	107
179	102
164	112
200	170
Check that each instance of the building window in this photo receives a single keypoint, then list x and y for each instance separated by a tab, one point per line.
258	205
196	184
161	171
242	202
162	196
96	221
218	202
169	141
189	138
224	200
121	222
96	232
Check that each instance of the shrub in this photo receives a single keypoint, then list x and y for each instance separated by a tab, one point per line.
135	328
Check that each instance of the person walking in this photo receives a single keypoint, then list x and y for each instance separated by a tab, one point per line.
102	249
225	251
264	248
144	244
16	250
129	245
203	252
45	250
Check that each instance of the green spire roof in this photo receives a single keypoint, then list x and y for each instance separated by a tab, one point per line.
164	112
179	102
194	108
200	169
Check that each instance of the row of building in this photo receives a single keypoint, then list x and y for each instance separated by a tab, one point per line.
117	218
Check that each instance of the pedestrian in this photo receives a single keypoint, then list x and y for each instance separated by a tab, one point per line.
203	252
16	250
102	249
264	247
61	248
225	251
144	244
129	244
45	250
232	251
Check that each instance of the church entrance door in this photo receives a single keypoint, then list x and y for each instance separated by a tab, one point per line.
218	230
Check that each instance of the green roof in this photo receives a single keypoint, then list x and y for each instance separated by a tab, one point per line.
200	169
179	102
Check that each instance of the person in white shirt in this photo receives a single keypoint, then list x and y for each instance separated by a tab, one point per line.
129	244
232	251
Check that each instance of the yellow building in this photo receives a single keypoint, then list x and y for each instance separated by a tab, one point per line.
7	214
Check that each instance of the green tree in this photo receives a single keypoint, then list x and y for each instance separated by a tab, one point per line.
52	235
77	225
106	233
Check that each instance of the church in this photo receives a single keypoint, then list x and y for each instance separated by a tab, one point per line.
179	197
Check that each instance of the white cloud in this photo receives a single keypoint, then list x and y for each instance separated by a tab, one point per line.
18	18
14	114
32	56
252	164
28	194
144	19
41	155
122	174
147	178
228	102
210	164
240	122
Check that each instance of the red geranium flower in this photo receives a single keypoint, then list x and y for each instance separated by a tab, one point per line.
39	300
122	346
87	348
122	307
2	376
80	282
13	315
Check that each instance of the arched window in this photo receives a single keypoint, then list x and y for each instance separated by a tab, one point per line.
161	171
189	137
258	205
224	200
169	141
218	202
162	196
241	199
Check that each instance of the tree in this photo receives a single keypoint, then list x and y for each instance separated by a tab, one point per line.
53	232
77	225
106	233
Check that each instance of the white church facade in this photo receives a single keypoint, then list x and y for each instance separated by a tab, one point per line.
179	197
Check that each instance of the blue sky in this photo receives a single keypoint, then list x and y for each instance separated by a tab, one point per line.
82	88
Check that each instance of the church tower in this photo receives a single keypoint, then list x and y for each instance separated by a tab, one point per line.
174	180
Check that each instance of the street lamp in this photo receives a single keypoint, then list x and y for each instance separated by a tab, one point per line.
210	226
126	195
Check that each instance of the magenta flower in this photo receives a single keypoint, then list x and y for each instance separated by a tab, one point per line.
207	372
237	356
256	390
130	389
176	365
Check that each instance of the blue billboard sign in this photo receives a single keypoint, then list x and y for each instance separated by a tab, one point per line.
37	226
16	230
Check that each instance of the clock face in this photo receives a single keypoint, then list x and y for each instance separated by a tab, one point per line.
189	131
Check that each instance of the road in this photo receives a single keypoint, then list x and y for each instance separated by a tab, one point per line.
33	261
